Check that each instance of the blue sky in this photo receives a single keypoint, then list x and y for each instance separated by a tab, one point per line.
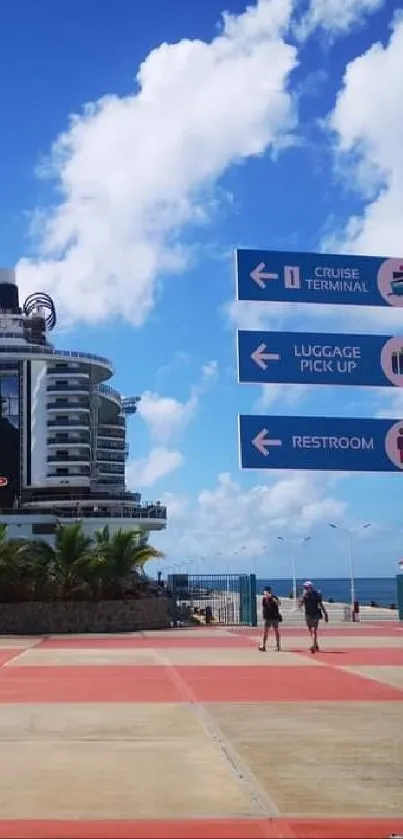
140	144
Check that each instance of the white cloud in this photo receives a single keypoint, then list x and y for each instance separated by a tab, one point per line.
164	415
286	396
293	316
147	471
245	314
367	122
230	517
177	504
388	403
336	16
167	416
171	369
131	172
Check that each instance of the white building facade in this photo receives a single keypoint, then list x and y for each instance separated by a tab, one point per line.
63	444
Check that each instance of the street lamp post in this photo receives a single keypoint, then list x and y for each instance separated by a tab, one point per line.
294	564
350	557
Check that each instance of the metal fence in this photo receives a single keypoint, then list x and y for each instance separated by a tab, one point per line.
223	599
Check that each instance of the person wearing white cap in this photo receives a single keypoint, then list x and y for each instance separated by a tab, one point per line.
312	602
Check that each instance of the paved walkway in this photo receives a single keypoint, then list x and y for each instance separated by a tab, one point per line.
194	733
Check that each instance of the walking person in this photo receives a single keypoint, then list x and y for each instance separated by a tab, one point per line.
312	602
271	617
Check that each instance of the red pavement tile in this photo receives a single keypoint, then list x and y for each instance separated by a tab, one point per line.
374	631
87	684
204	829
184	684
357	656
346	828
158	829
168	641
281	684
8	655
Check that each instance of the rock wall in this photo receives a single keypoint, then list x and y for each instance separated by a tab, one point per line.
81	617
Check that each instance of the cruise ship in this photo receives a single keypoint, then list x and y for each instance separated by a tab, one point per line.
63	431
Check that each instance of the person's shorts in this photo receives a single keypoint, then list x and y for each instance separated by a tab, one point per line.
312	623
271	624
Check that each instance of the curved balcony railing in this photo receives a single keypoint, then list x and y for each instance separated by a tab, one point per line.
65	371
68	424
74	390
71	458
75	511
106	457
111	393
60	445
28	349
118	422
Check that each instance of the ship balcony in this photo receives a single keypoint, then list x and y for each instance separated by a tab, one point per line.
69	390
119	422
68	373
63	469
65	481
80	424
109	483
106	444
116	458
82	401
65	456
75	443
67	406
101	439
108	392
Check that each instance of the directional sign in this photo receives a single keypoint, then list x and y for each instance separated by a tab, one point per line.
311	358
319	278
344	445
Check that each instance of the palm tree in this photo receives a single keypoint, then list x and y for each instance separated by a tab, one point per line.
145	553
4	542
103	566
118	556
69	560
8	555
22	576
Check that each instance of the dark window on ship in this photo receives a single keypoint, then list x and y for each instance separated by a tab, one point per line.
62	470
43	529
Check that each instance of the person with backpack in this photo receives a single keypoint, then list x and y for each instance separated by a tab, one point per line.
312	603
271	618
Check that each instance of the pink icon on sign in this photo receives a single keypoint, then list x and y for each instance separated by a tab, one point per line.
394	444
392	361
390	282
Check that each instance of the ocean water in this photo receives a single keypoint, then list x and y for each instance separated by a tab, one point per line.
380	589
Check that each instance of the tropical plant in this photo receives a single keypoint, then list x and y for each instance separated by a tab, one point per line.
21	576
117	558
67	560
107	566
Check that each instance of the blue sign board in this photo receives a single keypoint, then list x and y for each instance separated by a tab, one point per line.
310	358
319	278
317	443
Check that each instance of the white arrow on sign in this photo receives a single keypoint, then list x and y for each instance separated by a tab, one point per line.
263	443
259	275
259	356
